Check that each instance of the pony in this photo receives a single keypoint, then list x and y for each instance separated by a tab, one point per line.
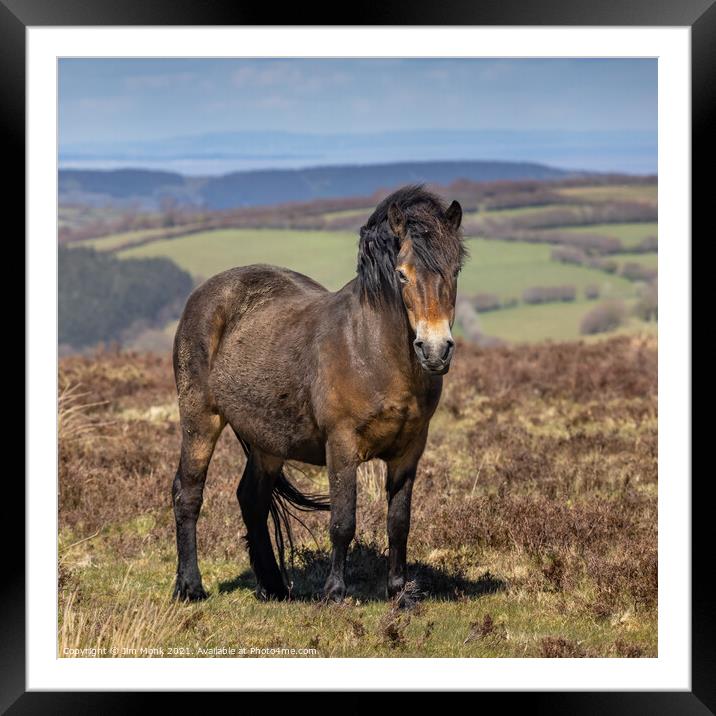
326	378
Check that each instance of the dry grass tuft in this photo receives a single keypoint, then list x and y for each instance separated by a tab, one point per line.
557	647
120	630
74	414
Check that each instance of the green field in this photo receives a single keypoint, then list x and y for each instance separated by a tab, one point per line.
558	321
628	234
508	268
614	192
502	268
519	211
114	241
347	212
328	257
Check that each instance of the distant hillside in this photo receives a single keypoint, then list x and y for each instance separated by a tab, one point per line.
276	186
148	188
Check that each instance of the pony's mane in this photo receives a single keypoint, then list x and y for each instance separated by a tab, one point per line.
436	245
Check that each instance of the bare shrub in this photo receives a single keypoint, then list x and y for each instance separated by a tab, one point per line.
395	621
557	647
484	629
591	291
483	302
647	306
637	272
647	245
549	294
469	320
467	317
607	316
568	255
606	265
626	650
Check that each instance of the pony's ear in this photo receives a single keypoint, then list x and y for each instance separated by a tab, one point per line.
454	214
396	220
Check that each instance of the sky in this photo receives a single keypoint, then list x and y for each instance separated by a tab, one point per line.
114	100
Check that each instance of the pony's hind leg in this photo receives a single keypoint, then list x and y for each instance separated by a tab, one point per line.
198	440
255	493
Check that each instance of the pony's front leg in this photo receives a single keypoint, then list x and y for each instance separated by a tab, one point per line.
342	467
399	489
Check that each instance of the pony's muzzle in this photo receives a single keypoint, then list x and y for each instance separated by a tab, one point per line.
434	355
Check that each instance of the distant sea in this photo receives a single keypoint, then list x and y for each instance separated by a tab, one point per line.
637	163
214	155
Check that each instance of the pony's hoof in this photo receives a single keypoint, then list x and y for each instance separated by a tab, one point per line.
189	592
271	595
395	589
402	594
334	591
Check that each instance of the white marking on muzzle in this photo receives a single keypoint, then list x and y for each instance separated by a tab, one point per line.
433	334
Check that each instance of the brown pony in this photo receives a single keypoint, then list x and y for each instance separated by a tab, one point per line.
336	379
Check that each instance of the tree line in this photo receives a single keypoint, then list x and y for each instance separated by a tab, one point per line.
101	297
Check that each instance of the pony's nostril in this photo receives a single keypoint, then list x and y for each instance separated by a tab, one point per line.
419	348
448	347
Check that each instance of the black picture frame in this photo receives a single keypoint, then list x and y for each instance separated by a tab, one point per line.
699	15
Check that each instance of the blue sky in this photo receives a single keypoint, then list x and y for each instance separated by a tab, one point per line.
591	114
134	99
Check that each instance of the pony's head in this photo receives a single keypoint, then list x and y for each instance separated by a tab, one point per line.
411	252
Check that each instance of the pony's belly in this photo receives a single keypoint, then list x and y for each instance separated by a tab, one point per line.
278	422
285	442
283	434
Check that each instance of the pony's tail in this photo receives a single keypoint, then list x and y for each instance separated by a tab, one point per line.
285	499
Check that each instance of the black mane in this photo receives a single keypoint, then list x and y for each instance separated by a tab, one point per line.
436	245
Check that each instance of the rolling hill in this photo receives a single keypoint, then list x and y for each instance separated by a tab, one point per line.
147	188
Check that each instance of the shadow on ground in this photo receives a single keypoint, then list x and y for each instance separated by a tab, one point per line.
366	577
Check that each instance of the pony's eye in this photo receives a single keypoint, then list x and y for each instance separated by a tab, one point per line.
401	276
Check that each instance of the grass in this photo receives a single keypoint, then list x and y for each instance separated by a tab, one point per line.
504	268
518	211
113	241
508	268
560	321
328	257
628	234
533	529
614	192
499	267
348	212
